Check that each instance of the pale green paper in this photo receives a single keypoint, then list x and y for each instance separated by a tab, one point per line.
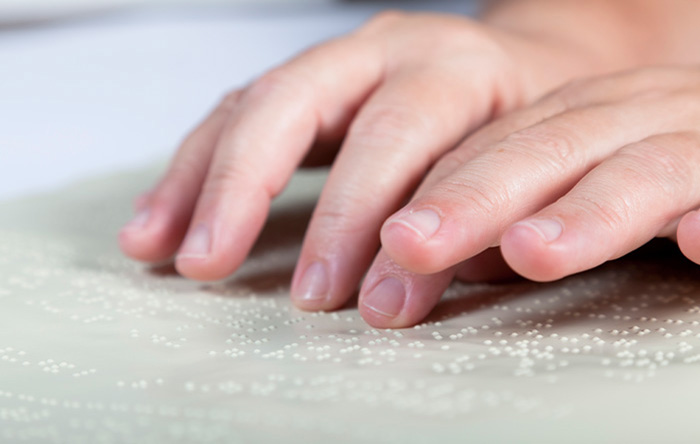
96	348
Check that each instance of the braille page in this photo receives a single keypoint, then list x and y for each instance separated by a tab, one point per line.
96	348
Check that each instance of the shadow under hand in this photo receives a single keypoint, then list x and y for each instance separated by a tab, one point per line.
284	229
270	264
652	284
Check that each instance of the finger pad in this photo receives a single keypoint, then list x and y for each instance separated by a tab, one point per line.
530	257
689	236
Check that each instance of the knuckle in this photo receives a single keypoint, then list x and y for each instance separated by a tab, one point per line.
575	93
612	209
553	143
651	153
383	20
278	81
340	221
388	126
482	196
183	179
337	219
219	181
185	171
452	160
650	160
224	178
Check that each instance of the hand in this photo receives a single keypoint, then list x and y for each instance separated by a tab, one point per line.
585	175
397	94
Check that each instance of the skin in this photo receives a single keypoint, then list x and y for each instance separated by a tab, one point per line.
452	116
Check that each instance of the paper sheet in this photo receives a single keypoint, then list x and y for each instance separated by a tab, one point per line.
95	348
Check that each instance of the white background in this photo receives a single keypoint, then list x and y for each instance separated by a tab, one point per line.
101	92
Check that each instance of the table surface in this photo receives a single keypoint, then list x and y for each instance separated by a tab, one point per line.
96	348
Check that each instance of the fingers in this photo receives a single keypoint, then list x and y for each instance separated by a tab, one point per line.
581	93
261	145
468	210
396	136
426	290
521	163
392	297
489	135
163	214
617	207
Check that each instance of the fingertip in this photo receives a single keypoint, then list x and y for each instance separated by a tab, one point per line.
200	268
392	297
221	236
139	224
397	240
409	248
208	267
688	236
148	237
381	303
312	288
203	257
529	252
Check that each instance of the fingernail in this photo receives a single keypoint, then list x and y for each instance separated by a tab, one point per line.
424	222
139	221
197	244
548	229
386	298
314	283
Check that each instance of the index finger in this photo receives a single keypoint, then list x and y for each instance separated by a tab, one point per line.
264	141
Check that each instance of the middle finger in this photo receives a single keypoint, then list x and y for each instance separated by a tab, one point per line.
407	123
